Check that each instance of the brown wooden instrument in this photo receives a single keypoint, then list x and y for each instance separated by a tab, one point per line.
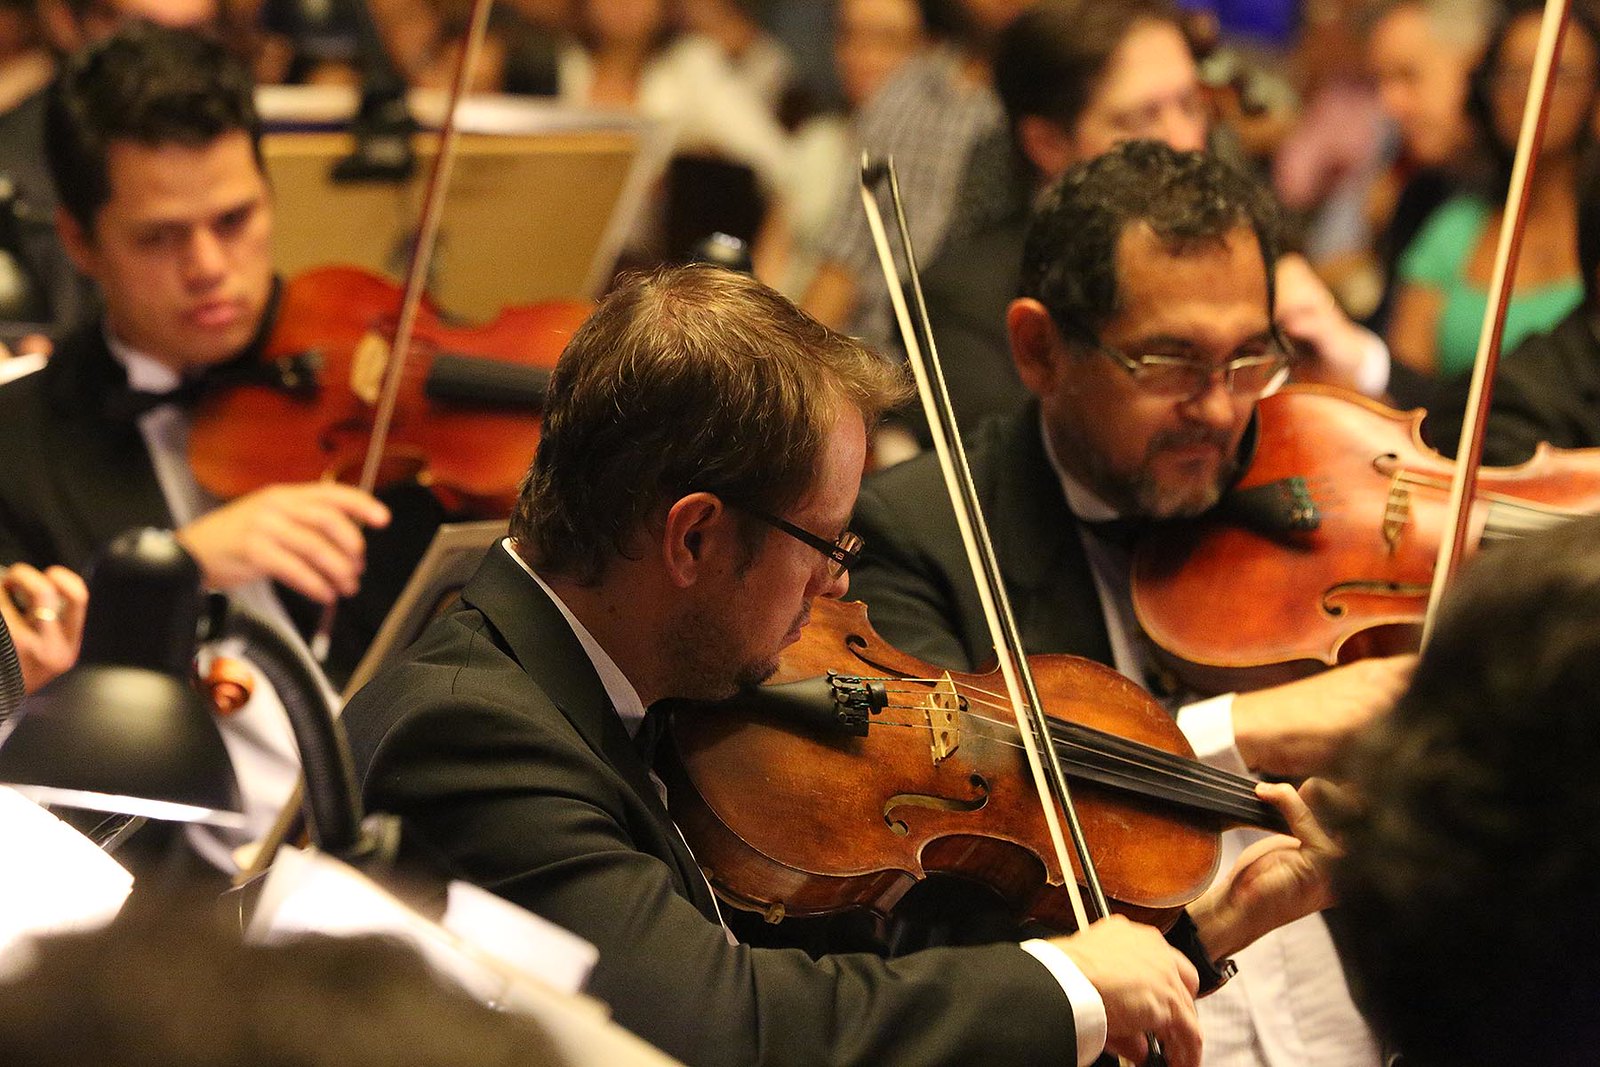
466	416
1236	604
827	795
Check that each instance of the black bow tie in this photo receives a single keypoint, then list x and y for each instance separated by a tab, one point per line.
127	405
651	728
1120	533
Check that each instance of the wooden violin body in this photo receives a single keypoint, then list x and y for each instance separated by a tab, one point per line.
1235	606
802	820
466	421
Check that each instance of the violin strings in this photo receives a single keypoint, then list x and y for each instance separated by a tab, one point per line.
1085	738
1131	751
1247	809
1130	762
1491	496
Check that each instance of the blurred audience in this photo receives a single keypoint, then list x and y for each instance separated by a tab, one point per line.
1547	389
1445	273
871	40
758	60
928	116
1420	54
626	55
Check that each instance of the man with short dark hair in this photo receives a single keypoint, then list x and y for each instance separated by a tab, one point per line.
1078	77
702	448
1472	860
154	143
1145	336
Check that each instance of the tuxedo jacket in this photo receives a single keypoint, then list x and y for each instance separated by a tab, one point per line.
495	742
72	476
914	577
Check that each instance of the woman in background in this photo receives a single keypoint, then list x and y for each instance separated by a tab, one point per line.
1445	272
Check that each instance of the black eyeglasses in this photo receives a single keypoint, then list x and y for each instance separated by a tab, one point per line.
1255	373
844	551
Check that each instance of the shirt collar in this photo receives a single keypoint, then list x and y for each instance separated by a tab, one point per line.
624	698
146	374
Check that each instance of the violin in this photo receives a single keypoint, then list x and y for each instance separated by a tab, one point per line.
1340	566
466	418
860	770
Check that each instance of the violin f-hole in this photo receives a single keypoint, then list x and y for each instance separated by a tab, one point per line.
928	800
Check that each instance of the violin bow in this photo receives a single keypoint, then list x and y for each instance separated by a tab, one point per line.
1032	723
416	278
1469	453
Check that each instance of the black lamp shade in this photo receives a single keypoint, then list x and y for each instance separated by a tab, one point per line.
125	739
123	730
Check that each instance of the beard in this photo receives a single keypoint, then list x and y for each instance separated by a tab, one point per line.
712	653
1145	492
1181	499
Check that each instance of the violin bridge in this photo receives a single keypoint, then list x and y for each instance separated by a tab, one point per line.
944	730
367	366
1396	513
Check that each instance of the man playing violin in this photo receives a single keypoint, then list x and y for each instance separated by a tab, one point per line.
1145	334
702	449
154	145
1076	79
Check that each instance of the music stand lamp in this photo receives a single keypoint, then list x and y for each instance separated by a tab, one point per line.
124	730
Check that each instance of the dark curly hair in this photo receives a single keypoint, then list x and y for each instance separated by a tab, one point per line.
1187	198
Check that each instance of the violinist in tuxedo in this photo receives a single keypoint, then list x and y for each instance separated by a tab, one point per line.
1145	334
702	449
154	145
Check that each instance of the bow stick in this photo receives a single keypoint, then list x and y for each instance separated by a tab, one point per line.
1032	723
1469	452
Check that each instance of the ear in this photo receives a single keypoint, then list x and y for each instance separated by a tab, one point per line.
696	528
1033	346
79	245
1048	147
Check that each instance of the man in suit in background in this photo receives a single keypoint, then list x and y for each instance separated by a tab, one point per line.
1146	336
702	448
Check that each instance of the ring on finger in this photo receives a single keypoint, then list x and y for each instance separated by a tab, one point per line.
47	613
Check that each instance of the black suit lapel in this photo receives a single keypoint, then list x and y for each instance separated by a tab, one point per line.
543	643
103	471
1041	553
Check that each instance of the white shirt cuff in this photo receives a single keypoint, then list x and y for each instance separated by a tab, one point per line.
1372	375
1208	725
1088	1010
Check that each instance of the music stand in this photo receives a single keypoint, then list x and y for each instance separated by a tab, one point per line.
540	203
451	559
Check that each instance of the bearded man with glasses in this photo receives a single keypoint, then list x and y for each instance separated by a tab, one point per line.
1144	332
